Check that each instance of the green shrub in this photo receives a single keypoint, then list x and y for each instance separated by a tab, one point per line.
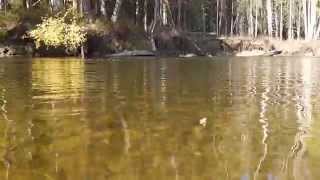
3	35
59	31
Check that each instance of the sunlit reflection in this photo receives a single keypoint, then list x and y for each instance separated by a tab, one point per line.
163	84
4	115
133	120
304	114
58	79
263	117
115	79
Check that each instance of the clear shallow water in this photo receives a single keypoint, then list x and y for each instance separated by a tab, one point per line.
67	119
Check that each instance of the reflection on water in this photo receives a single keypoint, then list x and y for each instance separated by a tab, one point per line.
68	119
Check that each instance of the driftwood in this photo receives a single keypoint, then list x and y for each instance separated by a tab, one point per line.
273	53
187	55
133	53
258	53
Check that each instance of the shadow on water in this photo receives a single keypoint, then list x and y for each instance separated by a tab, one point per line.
69	119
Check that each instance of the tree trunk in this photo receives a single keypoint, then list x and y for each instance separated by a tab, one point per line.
85	7
269	17
137	13
155	23
185	25
305	15
256	21
179	14
250	19
277	24
145	17
203	18
103	9
236	24
241	27
26	4
116	11
232	22
217	19
75	5
290	32
82	49
317	33
299	22
309	8
281	21
221	17
164	12
313	17
3	5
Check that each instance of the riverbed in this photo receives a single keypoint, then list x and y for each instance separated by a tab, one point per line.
144	119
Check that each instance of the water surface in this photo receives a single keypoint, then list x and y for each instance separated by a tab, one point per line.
131	119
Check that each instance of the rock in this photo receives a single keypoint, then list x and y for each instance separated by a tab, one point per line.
16	50
6	51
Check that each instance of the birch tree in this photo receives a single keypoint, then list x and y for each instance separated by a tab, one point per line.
290	30
179	13
145	16
256	20
103	9
155	23
269	17
3	5
309	9
116	11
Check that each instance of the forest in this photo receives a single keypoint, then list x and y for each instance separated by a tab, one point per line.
124	23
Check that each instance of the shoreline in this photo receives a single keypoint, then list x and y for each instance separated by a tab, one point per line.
218	47
151	57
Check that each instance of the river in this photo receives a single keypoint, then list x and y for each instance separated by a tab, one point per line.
150	119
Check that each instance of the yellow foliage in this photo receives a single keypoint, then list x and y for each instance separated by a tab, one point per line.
55	32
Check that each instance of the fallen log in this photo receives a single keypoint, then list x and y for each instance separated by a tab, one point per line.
273	53
132	53
187	55
258	53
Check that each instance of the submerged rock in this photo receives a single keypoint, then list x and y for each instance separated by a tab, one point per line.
16	50
6	51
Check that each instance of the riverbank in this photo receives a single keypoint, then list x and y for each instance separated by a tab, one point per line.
266	47
105	41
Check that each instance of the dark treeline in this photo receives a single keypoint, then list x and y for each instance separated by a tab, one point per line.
292	18
282	19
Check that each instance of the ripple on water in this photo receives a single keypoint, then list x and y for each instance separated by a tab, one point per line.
140	119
